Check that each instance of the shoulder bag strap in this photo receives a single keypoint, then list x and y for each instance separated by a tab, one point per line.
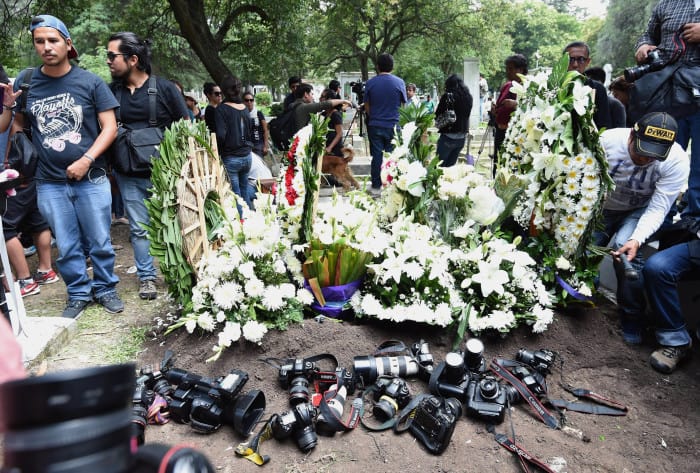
152	95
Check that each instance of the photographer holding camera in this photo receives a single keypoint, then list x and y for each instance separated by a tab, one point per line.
384	95
668	18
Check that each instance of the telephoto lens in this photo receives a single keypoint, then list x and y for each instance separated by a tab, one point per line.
299	390
455	368
369	368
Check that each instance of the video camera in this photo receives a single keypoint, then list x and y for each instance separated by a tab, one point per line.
358	88
206	404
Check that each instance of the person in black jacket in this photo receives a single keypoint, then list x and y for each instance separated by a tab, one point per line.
454	135
579	59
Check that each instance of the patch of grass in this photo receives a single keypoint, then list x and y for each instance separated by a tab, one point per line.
127	347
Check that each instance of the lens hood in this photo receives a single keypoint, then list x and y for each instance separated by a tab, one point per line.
248	411
61	396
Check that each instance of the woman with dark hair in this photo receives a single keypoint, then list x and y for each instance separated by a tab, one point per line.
454	135
233	135
213	95
334	135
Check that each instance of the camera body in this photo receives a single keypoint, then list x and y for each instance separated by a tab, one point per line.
298	422
455	373
434	422
205	403
486	399
541	360
297	375
391	395
652	64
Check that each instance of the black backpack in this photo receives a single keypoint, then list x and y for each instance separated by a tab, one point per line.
282	128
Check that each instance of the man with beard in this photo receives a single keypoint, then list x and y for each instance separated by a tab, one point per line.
129	61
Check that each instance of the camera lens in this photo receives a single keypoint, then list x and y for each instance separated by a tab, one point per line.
182	459
385	409
474	355
454	405
454	368
299	390
369	368
306	438
489	388
139	421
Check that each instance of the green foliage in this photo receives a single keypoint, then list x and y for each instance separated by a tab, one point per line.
263	99
276	109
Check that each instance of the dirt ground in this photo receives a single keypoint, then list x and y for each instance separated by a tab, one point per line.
659	434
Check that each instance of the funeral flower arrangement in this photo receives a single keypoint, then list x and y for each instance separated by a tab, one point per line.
552	147
244	287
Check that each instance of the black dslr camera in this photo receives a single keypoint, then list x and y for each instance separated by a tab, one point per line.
298	422
452	376
206	404
298	374
486	399
391	395
541	360
653	63
434	422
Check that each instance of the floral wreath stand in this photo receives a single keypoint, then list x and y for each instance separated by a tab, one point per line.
202	174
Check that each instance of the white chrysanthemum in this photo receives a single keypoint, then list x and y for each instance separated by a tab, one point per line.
220	316
254	287
278	266
190	325
205	321
273	298
227	295
370	305
254	331
287	290
247	269
230	333
543	317
305	297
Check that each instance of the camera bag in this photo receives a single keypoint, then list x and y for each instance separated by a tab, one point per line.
134	148
447	117
674	89
21	154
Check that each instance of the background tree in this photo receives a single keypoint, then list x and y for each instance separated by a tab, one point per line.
625	22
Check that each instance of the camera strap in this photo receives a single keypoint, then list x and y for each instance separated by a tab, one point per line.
523	455
405	418
599	404
498	366
333	421
251	450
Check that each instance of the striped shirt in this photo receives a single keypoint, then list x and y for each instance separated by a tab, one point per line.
666	19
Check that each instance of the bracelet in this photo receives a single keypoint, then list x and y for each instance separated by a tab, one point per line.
90	158
5	107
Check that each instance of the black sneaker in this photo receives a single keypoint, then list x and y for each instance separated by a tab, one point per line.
111	302
147	289
666	359
74	308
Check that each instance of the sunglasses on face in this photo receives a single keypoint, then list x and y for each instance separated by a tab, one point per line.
579	59
249	100
112	56
218	94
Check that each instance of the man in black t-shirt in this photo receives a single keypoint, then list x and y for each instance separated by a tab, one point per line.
293	82
128	58
579	59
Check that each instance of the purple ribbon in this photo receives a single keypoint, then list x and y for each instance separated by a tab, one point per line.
571	291
336	298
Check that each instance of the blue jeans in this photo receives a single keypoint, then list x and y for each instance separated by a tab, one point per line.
237	169
630	302
448	150
80	211
379	141
661	274
134	192
689	129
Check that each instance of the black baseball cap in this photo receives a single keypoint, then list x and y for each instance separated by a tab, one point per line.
654	135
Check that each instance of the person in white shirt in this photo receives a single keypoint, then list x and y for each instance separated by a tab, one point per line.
649	170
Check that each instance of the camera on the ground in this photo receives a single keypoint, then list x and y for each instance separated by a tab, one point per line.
298	423
541	360
206	404
652	64
434	422
391	395
486	399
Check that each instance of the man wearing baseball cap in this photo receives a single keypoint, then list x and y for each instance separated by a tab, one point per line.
71	115
649	170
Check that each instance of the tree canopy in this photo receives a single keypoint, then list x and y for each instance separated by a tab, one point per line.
266	41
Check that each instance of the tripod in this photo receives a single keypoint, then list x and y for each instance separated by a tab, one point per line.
489	137
358	111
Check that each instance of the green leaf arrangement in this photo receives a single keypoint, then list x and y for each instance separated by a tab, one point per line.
164	230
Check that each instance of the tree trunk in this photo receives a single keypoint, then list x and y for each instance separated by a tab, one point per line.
193	25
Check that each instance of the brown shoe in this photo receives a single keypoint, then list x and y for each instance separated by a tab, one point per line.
666	359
